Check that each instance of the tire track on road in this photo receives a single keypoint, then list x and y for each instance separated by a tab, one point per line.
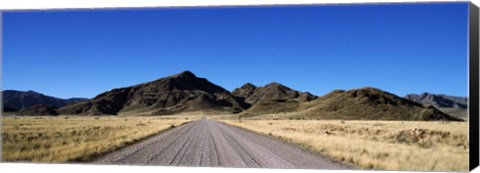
210	143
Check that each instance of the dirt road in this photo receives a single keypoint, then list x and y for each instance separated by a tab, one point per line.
210	143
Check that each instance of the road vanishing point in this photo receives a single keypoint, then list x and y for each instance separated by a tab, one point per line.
208	143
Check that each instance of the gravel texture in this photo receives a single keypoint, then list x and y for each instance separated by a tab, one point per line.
209	143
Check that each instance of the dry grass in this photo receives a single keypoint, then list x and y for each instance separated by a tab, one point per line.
387	145
76	138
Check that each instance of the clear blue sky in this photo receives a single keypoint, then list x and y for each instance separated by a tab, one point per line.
400	48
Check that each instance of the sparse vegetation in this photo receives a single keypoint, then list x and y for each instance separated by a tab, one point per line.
389	145
75	138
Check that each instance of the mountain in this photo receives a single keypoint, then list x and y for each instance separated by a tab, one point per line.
187	93
271	98
273	92
368	104
39	109
183	92
9	109
17	100
439	100
453	105
245	91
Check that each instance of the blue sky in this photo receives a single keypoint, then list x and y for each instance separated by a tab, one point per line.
400	48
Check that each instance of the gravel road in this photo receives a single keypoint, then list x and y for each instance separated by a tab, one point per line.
211	144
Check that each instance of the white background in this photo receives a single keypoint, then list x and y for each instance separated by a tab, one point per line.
79	168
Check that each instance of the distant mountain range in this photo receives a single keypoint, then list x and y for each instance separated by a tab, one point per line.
456	106
14	100
186	93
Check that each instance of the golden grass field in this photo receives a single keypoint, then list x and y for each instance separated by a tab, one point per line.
76	138
387	145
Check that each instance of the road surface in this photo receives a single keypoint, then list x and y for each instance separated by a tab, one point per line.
214	144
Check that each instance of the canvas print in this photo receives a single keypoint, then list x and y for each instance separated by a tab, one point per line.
352	86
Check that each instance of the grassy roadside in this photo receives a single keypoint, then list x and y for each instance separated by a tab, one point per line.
386	145
76	138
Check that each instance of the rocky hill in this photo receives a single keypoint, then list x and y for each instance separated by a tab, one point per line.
182	92
271	98
14	100
273	92
187	93
370	104
39	110
453	105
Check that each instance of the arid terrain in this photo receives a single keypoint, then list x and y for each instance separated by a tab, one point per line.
211	143
385	145
389	145
452	105
75	138
161	123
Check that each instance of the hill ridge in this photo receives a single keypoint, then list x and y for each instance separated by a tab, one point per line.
371	103
453	105
16	100
172	94
185	92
